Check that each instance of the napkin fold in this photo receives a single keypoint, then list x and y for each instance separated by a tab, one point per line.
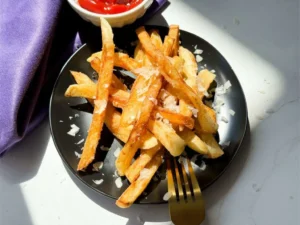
36	39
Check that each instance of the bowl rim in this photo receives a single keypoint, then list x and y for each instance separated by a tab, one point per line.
76	5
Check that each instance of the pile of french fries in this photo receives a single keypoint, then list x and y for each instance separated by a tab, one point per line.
164	109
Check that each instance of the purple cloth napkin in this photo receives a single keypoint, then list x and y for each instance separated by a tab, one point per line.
36	38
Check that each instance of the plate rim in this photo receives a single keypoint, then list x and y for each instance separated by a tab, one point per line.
67	165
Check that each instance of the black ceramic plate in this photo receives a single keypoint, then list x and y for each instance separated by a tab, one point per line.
66	111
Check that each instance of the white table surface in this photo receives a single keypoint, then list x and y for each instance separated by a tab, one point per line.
260	39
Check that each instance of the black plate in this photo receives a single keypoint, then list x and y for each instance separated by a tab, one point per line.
61	108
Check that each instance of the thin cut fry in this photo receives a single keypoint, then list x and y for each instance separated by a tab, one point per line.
139	54
103	85
193	141
120	60
171	75
81	90
190	69
214	150
137	187
144	158
174	33
167	137
81	78
175	118
168	46
126	155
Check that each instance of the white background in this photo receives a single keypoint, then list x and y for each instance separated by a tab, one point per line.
260	39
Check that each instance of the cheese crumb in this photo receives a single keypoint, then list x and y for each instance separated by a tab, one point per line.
231	112
79	142
167	196
145	173
98	182
74	130
100	106
198	51
146	72
199	58
119	182
78	155
117	152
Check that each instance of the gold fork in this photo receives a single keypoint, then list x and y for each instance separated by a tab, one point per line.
186	204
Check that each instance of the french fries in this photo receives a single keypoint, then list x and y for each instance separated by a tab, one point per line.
138	186
171	75
163	110
104	82
174	33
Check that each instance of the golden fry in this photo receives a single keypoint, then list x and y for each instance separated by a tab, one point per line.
81	78
103	85
127	153
174	33
214	150
137	187
144	158
193	141
167	136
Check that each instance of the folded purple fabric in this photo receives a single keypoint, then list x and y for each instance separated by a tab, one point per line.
36	38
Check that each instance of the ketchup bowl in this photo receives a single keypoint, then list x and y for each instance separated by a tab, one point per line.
118	13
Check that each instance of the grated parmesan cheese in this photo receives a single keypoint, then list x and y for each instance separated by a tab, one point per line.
198	51
100	106
194	111
116	174
117	152
79	142
213	71
146	72
199	58
78	155
154	100
231	112
227	85
167	196
74	130
202	166
119	182
145	173
98	182
70	117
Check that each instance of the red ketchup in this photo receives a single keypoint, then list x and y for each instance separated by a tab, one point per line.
108	6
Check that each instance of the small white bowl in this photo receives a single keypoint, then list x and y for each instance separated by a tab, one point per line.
115	20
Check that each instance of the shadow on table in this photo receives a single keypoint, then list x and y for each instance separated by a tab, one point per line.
16	166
